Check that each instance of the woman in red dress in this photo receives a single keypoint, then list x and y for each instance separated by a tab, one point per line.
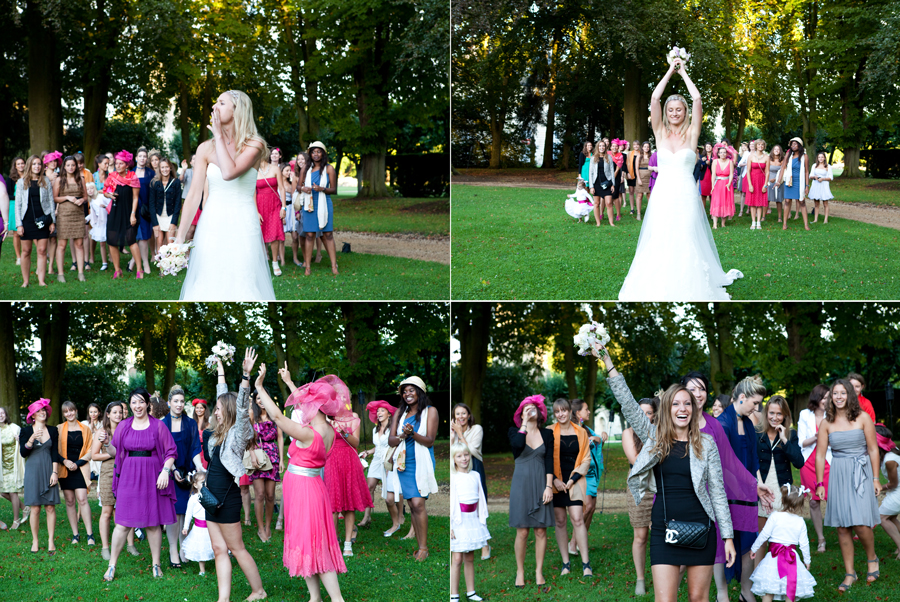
757	174
271	206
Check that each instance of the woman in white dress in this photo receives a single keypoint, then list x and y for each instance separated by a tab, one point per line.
819	187
676	257
380	413
228	262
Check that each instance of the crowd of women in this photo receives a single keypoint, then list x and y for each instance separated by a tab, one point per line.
711	493
132	204
614	172
159	470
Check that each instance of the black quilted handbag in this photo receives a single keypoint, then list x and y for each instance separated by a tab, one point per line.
682	533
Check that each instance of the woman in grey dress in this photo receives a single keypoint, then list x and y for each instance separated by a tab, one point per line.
39	445
853	479
530	506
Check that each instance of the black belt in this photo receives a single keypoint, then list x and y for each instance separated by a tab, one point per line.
742	503
139	454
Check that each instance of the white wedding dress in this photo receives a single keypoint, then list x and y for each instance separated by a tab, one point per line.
676	257
228	261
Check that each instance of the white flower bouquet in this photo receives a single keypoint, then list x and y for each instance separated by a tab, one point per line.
172	258
220	351
591	336
678	53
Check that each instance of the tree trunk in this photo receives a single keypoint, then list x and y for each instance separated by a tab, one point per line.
635	110
474	326
45	125
290	339
496	138
727	118
96	87
275	323
851	163
373	176
171	351
716	323
742	122
8	389
551	102
54	332
207	102
590	383
569	359
147	349
184	121
798	314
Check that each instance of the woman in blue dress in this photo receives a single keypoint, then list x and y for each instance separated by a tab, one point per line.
746	398
319	217
415	425
144	229
793	173
187	443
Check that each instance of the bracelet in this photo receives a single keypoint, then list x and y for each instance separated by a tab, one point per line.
822	483
548	487
55	472
245	377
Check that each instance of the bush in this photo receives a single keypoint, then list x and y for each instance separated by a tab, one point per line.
882	163
422	175
82	384
117	135
504	388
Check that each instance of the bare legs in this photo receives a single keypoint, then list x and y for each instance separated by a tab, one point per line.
120	534
226	537
640	198
815	511
639	555
367	517
866	538
115	256
395	509
540	549
79	495
420	524
14	499
106	513
77	251
801	206
295	247
35	520
264	504
329	580
891	525
666	579
245	502
41	267
576	514
468	560
590	504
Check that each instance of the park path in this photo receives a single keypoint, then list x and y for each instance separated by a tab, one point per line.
880	215
411	246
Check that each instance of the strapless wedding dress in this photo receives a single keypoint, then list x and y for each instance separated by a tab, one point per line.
228	261
676	257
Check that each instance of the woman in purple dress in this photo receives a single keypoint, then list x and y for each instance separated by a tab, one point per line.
145	495
270	439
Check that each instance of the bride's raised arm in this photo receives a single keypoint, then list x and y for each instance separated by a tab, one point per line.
195	193
655	100
697	110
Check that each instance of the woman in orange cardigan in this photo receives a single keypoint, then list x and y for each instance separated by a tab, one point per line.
571	462
74	475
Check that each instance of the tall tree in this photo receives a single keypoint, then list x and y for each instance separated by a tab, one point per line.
53	329
472	322
8	390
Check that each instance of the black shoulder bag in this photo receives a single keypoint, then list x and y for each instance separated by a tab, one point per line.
682	533
209	501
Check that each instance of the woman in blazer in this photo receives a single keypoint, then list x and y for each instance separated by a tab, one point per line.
683	463
35	217
165	203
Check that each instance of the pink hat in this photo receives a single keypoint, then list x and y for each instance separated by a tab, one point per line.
537	400
124	155
54	156
36	407
372	408
329	395
885	443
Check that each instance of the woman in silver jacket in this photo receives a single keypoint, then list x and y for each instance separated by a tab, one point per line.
600	181
684	464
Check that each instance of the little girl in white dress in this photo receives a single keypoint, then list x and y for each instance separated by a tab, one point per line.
579	205
468	520
197	546
821	190
780	575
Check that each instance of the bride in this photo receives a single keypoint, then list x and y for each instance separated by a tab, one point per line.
228	262
676	257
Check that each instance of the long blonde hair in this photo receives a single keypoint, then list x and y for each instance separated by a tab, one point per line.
685	125
228	402
245	125
665	428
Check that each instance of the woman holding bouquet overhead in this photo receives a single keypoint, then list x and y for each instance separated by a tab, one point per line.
311	548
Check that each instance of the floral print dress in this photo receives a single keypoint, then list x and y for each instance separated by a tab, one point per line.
267	440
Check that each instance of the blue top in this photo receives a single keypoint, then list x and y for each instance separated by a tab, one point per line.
744	446
793	191
311	220
145	229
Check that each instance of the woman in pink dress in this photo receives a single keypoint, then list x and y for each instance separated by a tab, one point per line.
311	548
757	195
270	204
345	479
722	204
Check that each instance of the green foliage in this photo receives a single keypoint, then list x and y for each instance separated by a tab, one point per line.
82	384
505	386
119	134
421	175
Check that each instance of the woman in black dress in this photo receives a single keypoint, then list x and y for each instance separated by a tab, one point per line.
123	187
74	475
688	475
571	462
224	451
35	219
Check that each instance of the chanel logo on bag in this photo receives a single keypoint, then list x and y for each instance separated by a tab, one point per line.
671	536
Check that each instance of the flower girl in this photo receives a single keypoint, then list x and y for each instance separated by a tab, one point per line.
97	217
197	546
779	575
580	204
468	518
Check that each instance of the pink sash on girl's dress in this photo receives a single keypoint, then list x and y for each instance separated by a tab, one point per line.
787	566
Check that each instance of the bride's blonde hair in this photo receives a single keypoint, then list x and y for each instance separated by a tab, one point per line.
244	124
685	125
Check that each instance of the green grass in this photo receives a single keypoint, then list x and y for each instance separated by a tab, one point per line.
364	277
610	553
518	243
380	570
442	459
428	217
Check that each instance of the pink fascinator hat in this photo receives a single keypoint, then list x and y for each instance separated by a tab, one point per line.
729	150
124	155
537	400
54	156
36	407
328	395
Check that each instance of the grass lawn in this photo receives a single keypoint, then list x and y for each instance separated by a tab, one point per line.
380	570
429	217
518	243
364	277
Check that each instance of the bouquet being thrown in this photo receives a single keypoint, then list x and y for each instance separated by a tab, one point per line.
220	351
172	258
678	53
592	336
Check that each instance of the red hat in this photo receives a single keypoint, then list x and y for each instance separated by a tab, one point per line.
537	400
196	401
36	407
372	408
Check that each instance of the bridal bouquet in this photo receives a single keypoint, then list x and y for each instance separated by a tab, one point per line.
678	53
591	336
172	258
220	351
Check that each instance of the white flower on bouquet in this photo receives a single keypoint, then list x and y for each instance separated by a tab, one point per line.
678	53
220	351
590	337
172	258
